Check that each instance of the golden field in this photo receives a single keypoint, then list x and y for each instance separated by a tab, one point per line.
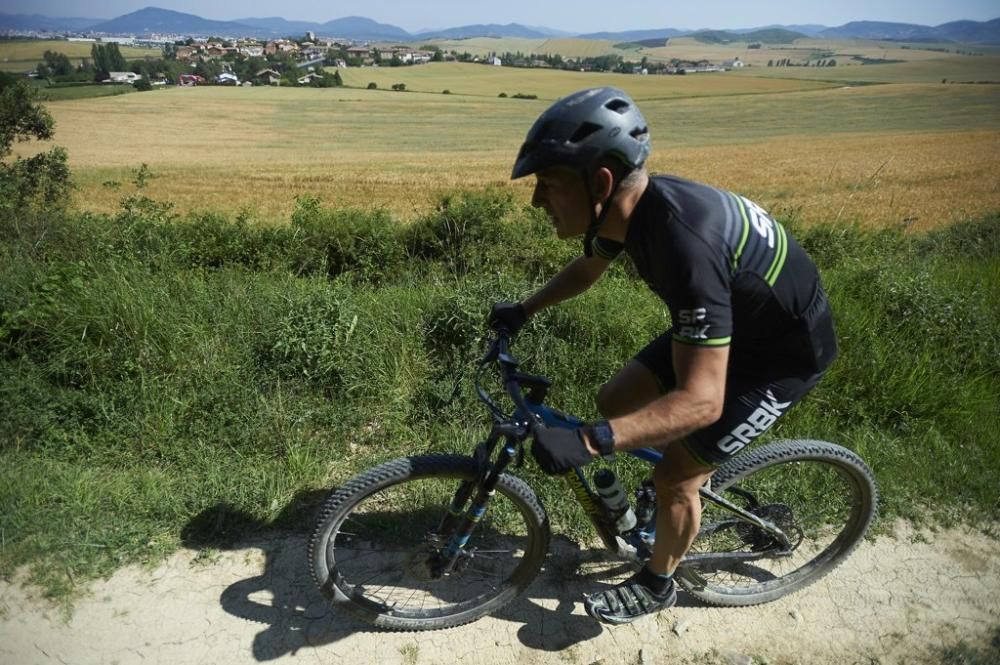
912	154
24	56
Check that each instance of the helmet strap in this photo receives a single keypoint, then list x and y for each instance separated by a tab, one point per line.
596	220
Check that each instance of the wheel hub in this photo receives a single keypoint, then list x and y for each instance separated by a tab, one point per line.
777	514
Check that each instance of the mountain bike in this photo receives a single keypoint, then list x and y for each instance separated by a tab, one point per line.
435	541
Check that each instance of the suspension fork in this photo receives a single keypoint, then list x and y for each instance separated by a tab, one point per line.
460	521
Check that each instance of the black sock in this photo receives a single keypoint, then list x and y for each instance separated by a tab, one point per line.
658	584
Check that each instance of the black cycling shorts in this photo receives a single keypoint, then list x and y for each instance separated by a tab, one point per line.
753	403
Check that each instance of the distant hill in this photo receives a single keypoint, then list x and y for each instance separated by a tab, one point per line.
971	32
767	36
39	22
280	27
808	30
878	30
490	30
357	27
154	19
635	35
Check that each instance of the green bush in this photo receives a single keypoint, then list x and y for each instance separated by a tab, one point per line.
154	364
367	245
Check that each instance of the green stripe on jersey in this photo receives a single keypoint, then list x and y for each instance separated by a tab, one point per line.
780	253
746	232
718	341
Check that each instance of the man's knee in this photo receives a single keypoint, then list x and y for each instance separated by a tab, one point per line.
627	391
678	474
607	403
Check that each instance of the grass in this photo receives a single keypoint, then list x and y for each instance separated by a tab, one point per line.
59	94
25	55
885	155
550	84
171	380
954	69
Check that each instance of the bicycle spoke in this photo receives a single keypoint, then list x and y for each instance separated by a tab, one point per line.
368	549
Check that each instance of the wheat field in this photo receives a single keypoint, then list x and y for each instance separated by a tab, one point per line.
24	56
916	155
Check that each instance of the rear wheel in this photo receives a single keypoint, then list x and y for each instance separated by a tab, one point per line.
822	496
376	548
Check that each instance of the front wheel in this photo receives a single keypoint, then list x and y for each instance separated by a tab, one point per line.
822	496
376	549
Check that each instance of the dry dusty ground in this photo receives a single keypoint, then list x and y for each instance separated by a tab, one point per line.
897	600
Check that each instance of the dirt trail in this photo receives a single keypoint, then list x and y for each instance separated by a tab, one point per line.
897	600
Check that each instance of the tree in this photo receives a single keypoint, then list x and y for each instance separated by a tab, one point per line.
58	64
33	182
143	85
107	58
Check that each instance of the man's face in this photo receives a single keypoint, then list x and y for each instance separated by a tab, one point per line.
561	193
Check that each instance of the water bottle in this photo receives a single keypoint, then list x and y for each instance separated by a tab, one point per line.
614	499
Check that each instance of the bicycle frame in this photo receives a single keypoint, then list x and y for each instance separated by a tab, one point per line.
513	430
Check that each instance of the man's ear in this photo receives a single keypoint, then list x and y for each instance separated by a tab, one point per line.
602	183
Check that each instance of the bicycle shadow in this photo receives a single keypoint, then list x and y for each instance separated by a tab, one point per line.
293	614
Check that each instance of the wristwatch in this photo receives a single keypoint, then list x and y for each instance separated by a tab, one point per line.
602	438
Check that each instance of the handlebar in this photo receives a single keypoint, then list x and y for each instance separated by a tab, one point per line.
499	353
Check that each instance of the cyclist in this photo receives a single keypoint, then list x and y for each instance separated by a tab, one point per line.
751	329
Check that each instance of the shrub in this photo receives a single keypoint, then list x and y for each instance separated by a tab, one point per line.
502	95
373	85
463	230
367	245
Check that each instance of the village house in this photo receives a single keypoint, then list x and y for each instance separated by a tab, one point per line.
268	77
735	63
358	51
256	51
281	46
308	78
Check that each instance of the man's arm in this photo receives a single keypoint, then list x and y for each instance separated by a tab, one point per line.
578	276
694	403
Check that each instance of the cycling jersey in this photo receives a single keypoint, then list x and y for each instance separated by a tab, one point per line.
729	275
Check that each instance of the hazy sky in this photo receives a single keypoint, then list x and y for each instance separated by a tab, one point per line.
573	16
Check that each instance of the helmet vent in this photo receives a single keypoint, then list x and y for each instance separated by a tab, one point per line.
639	131
583	131
619	106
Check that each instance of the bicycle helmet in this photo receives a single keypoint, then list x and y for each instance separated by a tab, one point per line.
582	129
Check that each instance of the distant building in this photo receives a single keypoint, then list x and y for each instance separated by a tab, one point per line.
268	77
735	63
308	78
122	77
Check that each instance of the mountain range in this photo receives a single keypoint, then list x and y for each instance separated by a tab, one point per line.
163	21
